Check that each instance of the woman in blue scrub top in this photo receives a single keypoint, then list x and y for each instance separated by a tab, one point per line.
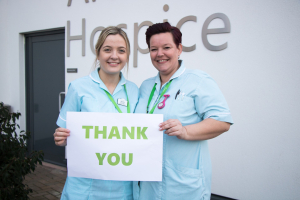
99	92
194	111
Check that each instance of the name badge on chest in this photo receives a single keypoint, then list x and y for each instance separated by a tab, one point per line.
122	102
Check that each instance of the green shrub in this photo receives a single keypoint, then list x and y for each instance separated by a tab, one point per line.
15	160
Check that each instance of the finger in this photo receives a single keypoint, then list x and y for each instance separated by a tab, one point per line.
168	125
64	134
164	125
171	129
174	130
174	133
60	143
161	125
59	138
165	122
170	121
62	130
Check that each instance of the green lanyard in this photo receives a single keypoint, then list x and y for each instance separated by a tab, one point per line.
116	105
152	93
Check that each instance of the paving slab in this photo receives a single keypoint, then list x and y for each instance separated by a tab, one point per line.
47	181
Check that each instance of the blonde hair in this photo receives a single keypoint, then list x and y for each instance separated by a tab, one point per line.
111	30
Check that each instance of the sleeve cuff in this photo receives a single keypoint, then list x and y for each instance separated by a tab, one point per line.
61	122
224	117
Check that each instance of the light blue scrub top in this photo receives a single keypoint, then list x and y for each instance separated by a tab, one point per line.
86	95
186	164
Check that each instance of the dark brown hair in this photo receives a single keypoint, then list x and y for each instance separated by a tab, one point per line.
163	28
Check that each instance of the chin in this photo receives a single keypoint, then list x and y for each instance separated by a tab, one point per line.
112	71
162	69
115	72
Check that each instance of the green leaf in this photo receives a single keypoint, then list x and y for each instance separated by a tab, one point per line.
16	162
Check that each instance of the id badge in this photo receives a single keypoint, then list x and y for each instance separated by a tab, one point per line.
122	102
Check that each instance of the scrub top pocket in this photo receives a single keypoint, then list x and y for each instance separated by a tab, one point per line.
183	108
184	183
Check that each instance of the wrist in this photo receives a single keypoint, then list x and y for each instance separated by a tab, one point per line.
184	135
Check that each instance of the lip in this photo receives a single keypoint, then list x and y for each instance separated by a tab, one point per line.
113	64
161	61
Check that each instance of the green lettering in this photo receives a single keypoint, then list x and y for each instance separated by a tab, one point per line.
116	161
124	159
97	132
100	158
114	133
87	131
129	133
141	133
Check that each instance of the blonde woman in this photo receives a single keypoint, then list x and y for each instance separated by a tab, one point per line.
98	92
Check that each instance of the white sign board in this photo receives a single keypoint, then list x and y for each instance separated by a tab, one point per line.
113	146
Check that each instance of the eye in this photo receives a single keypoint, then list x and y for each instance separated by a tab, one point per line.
122	51
153	49
106	50
167	47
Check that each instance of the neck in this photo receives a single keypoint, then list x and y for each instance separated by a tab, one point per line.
110	80
165	77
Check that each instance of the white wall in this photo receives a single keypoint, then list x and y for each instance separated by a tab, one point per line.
5	94
258	74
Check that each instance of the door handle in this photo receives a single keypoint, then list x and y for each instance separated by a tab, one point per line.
59	100
59	107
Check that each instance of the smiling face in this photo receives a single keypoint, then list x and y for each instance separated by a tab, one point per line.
113	54
164	53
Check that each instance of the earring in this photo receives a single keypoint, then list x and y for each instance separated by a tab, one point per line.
178	57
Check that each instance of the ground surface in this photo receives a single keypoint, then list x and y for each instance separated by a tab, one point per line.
47	182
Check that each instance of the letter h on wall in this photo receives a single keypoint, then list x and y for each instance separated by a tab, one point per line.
70	2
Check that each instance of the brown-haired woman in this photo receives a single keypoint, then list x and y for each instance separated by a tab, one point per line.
194	111
91	94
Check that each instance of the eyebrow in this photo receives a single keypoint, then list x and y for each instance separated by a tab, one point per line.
163	45
110	46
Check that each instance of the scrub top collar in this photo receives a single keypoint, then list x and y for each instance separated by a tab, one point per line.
94	75
178	73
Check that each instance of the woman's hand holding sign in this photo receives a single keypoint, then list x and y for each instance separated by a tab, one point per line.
60	136
173	127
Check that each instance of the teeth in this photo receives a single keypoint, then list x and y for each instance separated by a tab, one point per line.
161	60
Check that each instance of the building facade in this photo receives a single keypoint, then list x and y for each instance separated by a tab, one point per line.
253	55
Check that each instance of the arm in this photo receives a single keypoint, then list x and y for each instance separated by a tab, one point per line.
204	130
72	103
213	112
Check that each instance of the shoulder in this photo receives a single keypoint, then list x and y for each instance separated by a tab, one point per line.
131	86
198	82
81	83
148	83
196	76
81	80
196	73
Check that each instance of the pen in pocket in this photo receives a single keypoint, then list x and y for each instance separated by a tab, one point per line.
178	92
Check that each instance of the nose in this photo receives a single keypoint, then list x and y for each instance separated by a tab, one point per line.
114	55
160	53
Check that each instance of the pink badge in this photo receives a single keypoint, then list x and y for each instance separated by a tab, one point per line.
162	104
